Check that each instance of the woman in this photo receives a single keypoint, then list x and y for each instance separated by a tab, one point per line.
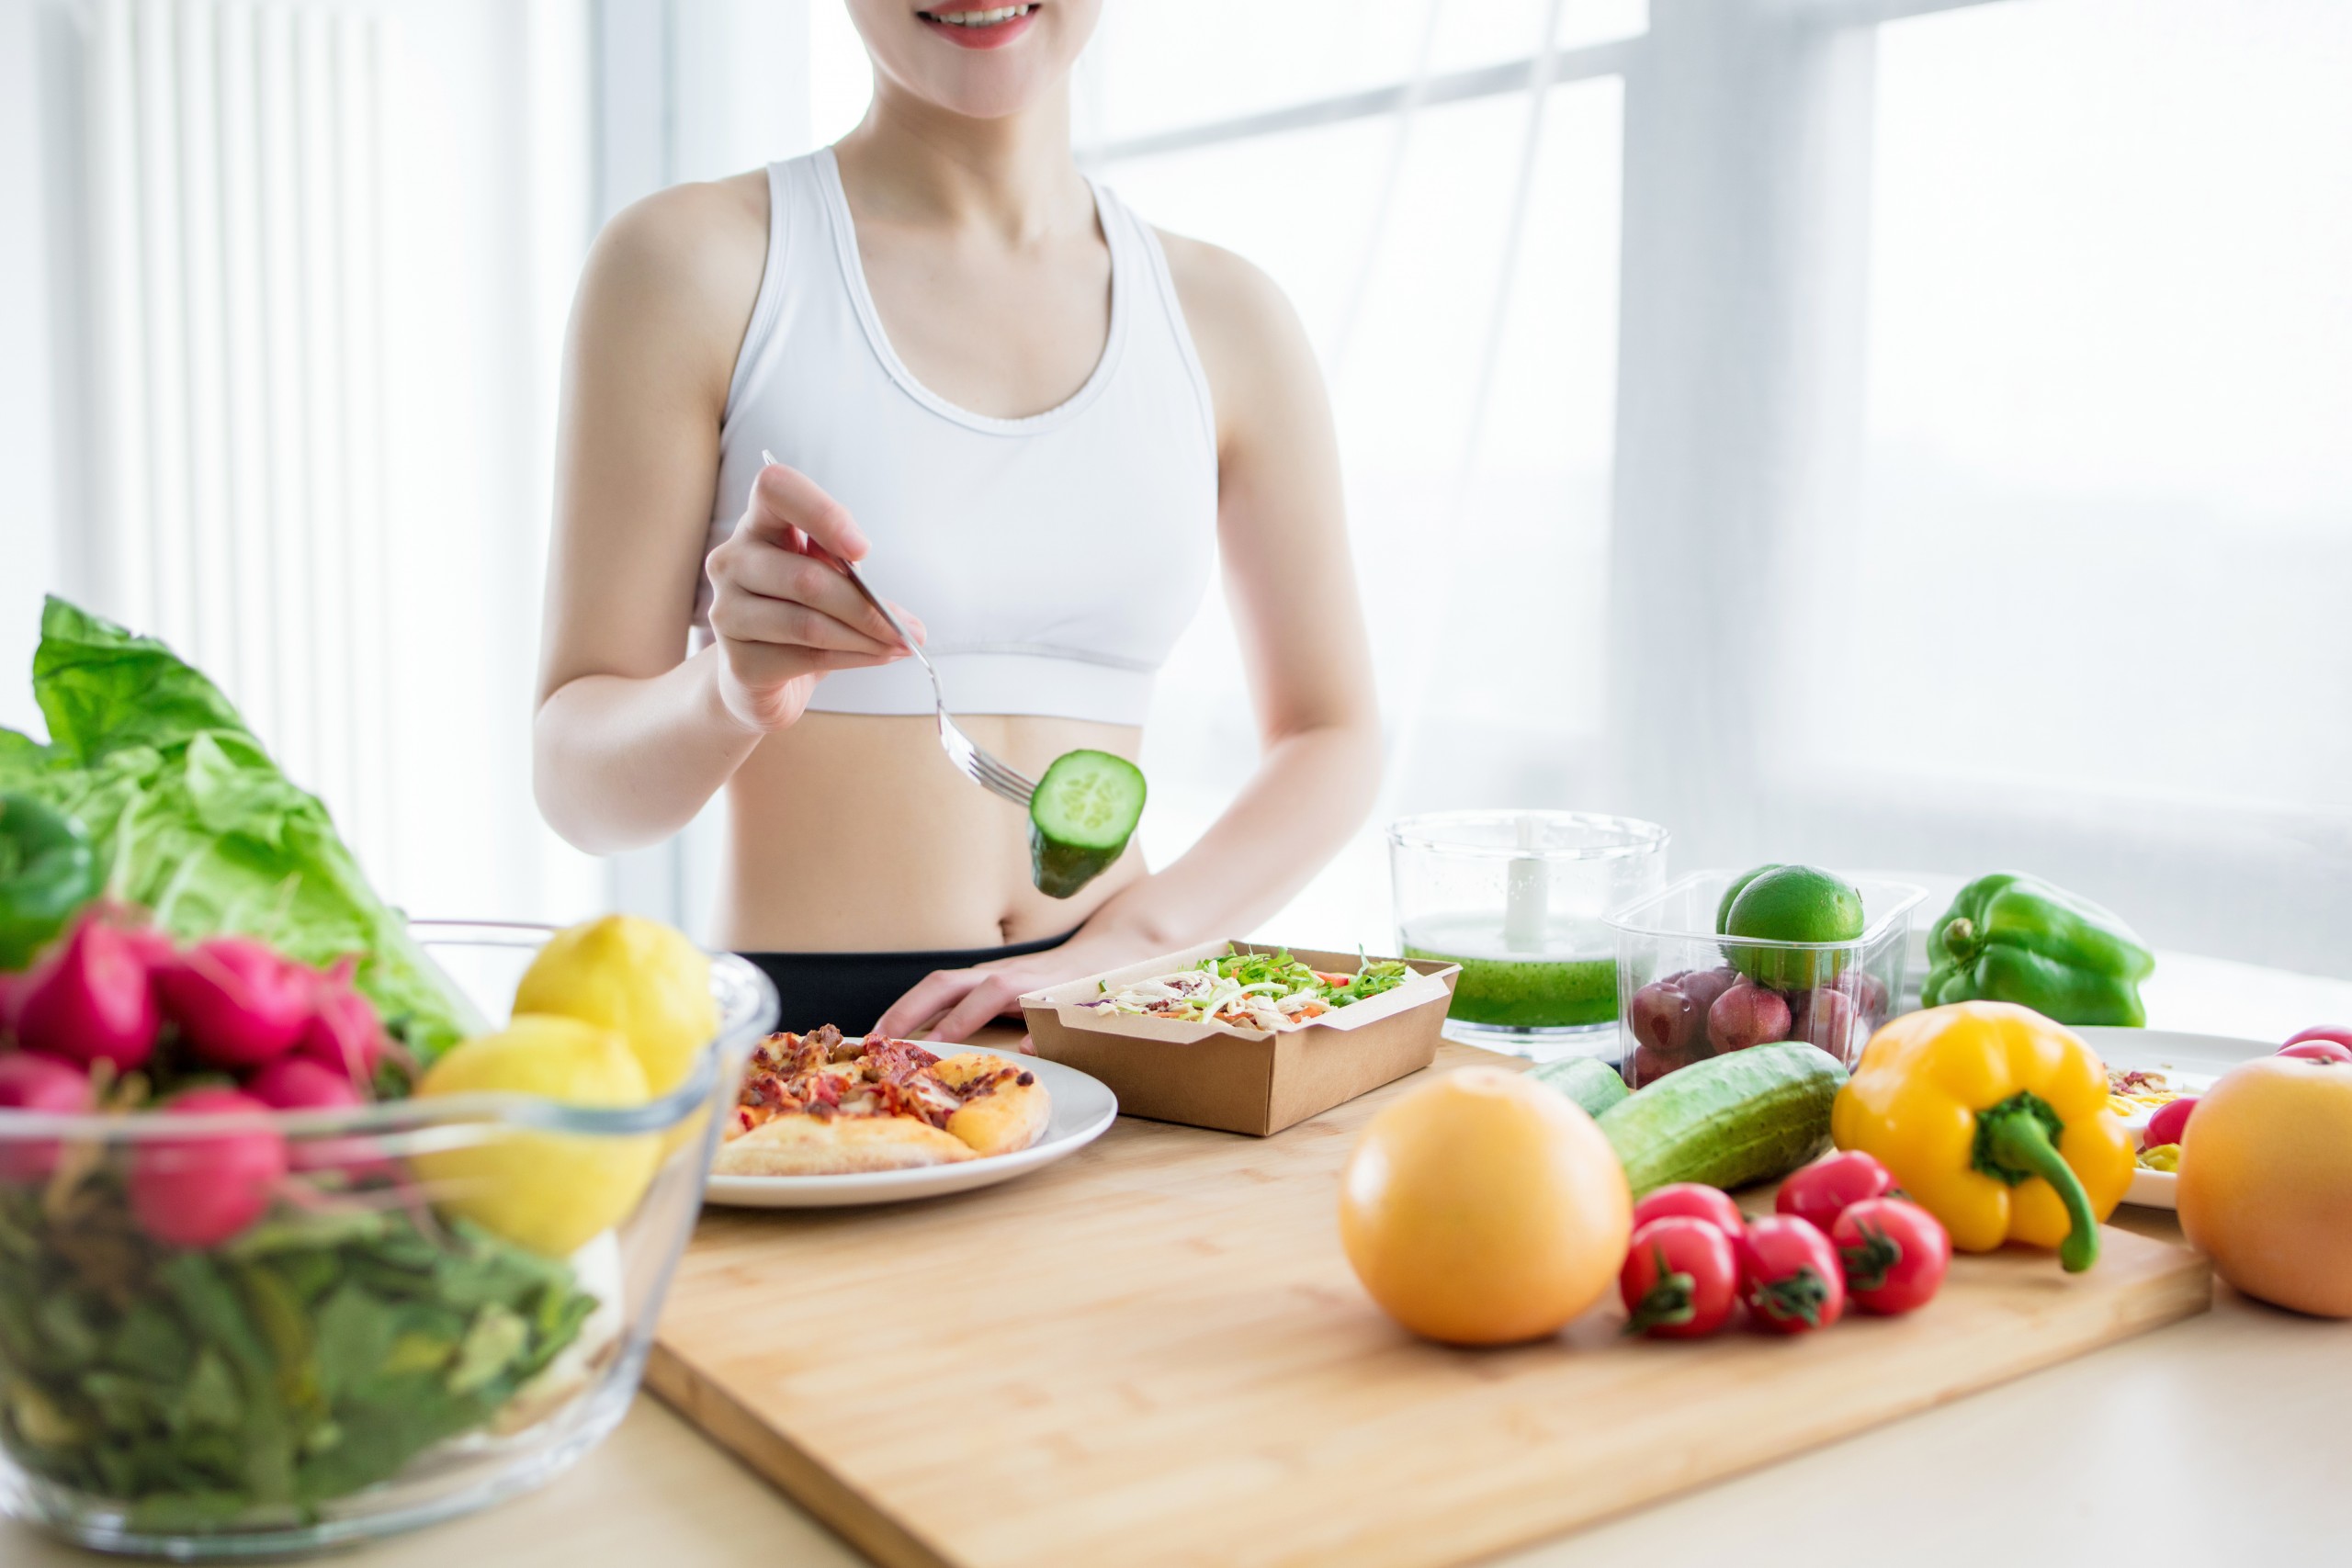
1032	420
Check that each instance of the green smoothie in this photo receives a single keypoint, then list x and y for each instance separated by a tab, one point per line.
1568	981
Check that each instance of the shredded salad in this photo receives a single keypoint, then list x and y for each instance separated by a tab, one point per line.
1254	990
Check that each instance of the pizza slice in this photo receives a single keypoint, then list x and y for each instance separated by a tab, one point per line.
817	1104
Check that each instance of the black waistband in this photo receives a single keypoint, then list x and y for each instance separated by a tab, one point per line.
853	990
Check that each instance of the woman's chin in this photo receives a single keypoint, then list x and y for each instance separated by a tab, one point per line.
986	93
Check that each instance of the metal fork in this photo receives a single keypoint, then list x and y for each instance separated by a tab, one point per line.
976	762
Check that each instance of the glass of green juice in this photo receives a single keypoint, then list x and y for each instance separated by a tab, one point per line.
1516	899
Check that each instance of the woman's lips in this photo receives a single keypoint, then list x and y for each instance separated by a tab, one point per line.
990	27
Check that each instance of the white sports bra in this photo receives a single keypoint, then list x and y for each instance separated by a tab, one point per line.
1054	560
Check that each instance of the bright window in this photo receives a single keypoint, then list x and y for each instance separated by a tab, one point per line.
2108	505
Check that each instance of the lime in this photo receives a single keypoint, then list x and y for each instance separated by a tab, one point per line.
647	983
1731	893
1792	902
547	1192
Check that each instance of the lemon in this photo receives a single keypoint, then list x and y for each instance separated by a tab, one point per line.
635	976
547	1192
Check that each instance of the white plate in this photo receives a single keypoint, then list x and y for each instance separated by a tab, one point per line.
1084	1109
2191	1061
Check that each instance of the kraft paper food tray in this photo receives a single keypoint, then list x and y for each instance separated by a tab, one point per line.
1237	1080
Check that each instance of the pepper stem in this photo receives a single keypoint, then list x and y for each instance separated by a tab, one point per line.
2016	1141
1959	939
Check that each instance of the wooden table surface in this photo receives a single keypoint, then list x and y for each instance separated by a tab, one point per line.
2218	1439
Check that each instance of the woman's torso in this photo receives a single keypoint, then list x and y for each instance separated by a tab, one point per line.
1053	557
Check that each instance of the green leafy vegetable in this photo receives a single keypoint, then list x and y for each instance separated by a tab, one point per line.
189	818
315	1356
1282	974
46	872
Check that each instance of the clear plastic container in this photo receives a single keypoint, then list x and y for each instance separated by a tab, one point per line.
363	1359
1673	970
1516	899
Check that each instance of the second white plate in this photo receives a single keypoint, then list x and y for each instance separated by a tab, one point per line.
2192	1061
1084	1109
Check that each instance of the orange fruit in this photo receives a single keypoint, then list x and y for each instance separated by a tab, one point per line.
1483	1209
2266	1182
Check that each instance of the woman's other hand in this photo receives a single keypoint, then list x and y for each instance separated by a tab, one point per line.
781	613
953	1005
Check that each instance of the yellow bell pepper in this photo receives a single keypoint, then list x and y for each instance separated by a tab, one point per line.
1995	1120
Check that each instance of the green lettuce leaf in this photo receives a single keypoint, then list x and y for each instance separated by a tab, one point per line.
102	689
197	824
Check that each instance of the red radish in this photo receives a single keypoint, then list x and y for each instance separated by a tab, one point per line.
297	1083
201	1189
238	1003
90	1000
2317	1049
2340	1034
12	988
1819	1192
1695	1199
155	947
343	1032
1790	1275
2170	1121
30	1081
1893	1254
1681	1279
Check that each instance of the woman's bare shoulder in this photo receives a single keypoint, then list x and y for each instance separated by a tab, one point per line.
680	266
1252	346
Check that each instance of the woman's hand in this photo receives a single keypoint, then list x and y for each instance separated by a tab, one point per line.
781	613
954	1004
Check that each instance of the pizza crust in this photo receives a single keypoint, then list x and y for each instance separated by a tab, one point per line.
805	1145
1007	1118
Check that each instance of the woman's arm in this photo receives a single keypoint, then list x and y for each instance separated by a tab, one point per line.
631	737
1288	578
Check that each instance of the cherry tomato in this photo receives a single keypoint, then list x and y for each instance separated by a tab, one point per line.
1695	1200
2317	1049
2170	1119
1893	1254
1790	1276
1819	1192
1681	1279
2340	1034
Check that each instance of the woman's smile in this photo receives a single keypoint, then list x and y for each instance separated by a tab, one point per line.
990	28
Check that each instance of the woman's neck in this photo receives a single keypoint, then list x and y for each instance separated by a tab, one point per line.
913	162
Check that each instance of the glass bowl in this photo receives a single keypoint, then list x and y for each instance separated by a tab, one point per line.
1672	968
1516	899
365	1357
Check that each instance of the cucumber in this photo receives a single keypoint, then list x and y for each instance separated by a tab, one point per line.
1084	812
1592	1083
1742	1117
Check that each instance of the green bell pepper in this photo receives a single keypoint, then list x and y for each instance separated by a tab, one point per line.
2013	938
46	872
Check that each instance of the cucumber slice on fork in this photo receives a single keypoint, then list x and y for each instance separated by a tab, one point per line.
1084	812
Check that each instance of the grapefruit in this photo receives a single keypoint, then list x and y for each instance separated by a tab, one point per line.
1484	1209
2266	1182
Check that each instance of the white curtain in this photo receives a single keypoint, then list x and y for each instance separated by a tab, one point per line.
306	266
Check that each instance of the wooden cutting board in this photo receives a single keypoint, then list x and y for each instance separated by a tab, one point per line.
1154	1353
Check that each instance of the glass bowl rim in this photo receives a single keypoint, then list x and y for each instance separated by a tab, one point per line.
1639	837
1907	897
753	1010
